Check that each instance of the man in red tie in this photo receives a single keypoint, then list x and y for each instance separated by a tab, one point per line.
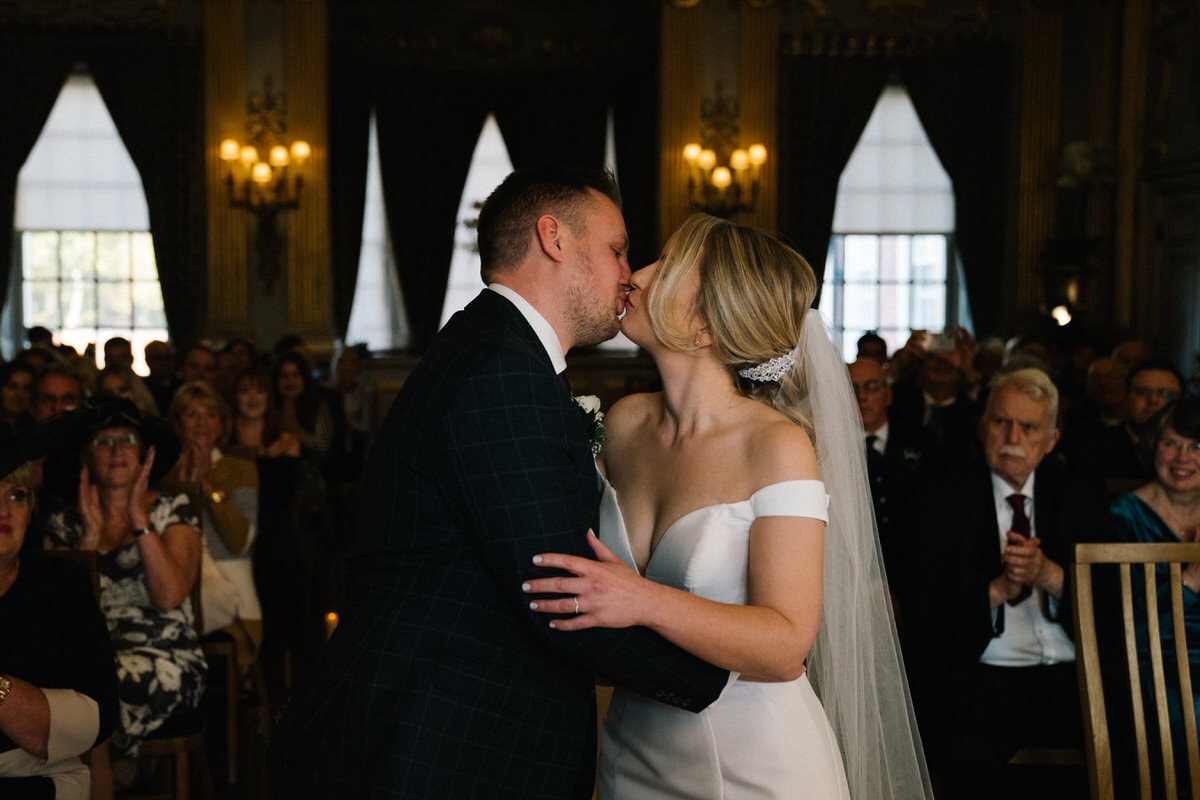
987	597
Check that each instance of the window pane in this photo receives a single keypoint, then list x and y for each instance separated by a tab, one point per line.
860	306
862	259
116	305
148	305
929	258
77	253
929	306
40	253
142	253
112	256
41	304
79	305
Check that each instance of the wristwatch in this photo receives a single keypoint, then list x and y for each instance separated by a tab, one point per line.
5	688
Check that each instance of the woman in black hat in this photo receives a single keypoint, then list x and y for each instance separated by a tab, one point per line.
149	558
56	638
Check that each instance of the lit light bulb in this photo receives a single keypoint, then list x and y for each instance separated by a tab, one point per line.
707	159
758	155
249	155
739	159
1062	315
691	152
230	150
260	172
721	177
278	157
300	151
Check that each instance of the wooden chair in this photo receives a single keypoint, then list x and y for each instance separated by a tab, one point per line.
179	744
1143	692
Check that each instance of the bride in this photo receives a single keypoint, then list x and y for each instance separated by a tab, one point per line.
717	533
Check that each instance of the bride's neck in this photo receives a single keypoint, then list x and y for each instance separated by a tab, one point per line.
696	391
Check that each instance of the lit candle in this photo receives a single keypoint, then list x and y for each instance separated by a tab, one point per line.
331	622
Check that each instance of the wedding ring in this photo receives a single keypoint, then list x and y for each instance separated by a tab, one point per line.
576	599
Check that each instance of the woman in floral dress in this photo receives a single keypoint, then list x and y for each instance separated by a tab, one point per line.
148	544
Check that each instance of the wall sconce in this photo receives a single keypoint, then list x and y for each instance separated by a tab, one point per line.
263	175
723	179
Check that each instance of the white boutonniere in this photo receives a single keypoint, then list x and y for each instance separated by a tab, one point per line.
593	419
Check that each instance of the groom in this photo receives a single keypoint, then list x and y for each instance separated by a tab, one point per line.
439	681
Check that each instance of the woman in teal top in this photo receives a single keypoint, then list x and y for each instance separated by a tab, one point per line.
1168	510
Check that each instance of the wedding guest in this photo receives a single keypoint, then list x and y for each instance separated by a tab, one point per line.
283	547
56	391
58	689
121	381
302	410
225	489
199	363
1117	453
118	352
16	394
1167	509
987	598
148	548
161	378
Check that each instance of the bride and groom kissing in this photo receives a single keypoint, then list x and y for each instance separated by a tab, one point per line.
481	606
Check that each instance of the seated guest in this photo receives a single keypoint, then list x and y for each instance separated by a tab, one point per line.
225	490
1168	510
938	397
986	599
58	689
282	549
303	410
148	546
1117	452
872	347
16	394
199	363
161	378
121	381
896	458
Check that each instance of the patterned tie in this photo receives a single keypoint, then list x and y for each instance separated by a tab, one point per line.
1020	524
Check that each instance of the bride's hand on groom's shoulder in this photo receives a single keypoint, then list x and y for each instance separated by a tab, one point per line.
604	593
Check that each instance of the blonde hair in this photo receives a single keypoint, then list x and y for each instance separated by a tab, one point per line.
753	297
23	476
203	392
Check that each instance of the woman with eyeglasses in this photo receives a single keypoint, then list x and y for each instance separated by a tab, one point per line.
1168	510
148	546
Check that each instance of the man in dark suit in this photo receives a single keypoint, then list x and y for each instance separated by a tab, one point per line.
897	457
987	599
439	680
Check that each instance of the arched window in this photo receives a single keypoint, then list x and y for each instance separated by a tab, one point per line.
892	266
377	314
85	254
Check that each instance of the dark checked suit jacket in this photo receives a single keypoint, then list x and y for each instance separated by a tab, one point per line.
439	681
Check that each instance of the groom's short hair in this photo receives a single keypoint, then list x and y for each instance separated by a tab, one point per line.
509	214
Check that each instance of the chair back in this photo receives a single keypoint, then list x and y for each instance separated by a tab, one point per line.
1151	609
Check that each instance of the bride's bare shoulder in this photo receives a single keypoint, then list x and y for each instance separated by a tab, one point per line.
782	450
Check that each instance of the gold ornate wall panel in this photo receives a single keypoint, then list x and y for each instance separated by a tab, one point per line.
1041	100
309	286
225	110
1128	293
679	108
759	93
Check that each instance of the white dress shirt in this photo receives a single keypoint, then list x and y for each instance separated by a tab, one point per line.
1029	639
541	327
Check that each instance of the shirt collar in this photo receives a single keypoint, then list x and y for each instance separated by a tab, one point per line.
541	327
1001	490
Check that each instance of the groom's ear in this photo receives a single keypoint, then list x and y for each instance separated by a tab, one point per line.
549	233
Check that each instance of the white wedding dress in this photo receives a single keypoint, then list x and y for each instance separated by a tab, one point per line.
758	740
